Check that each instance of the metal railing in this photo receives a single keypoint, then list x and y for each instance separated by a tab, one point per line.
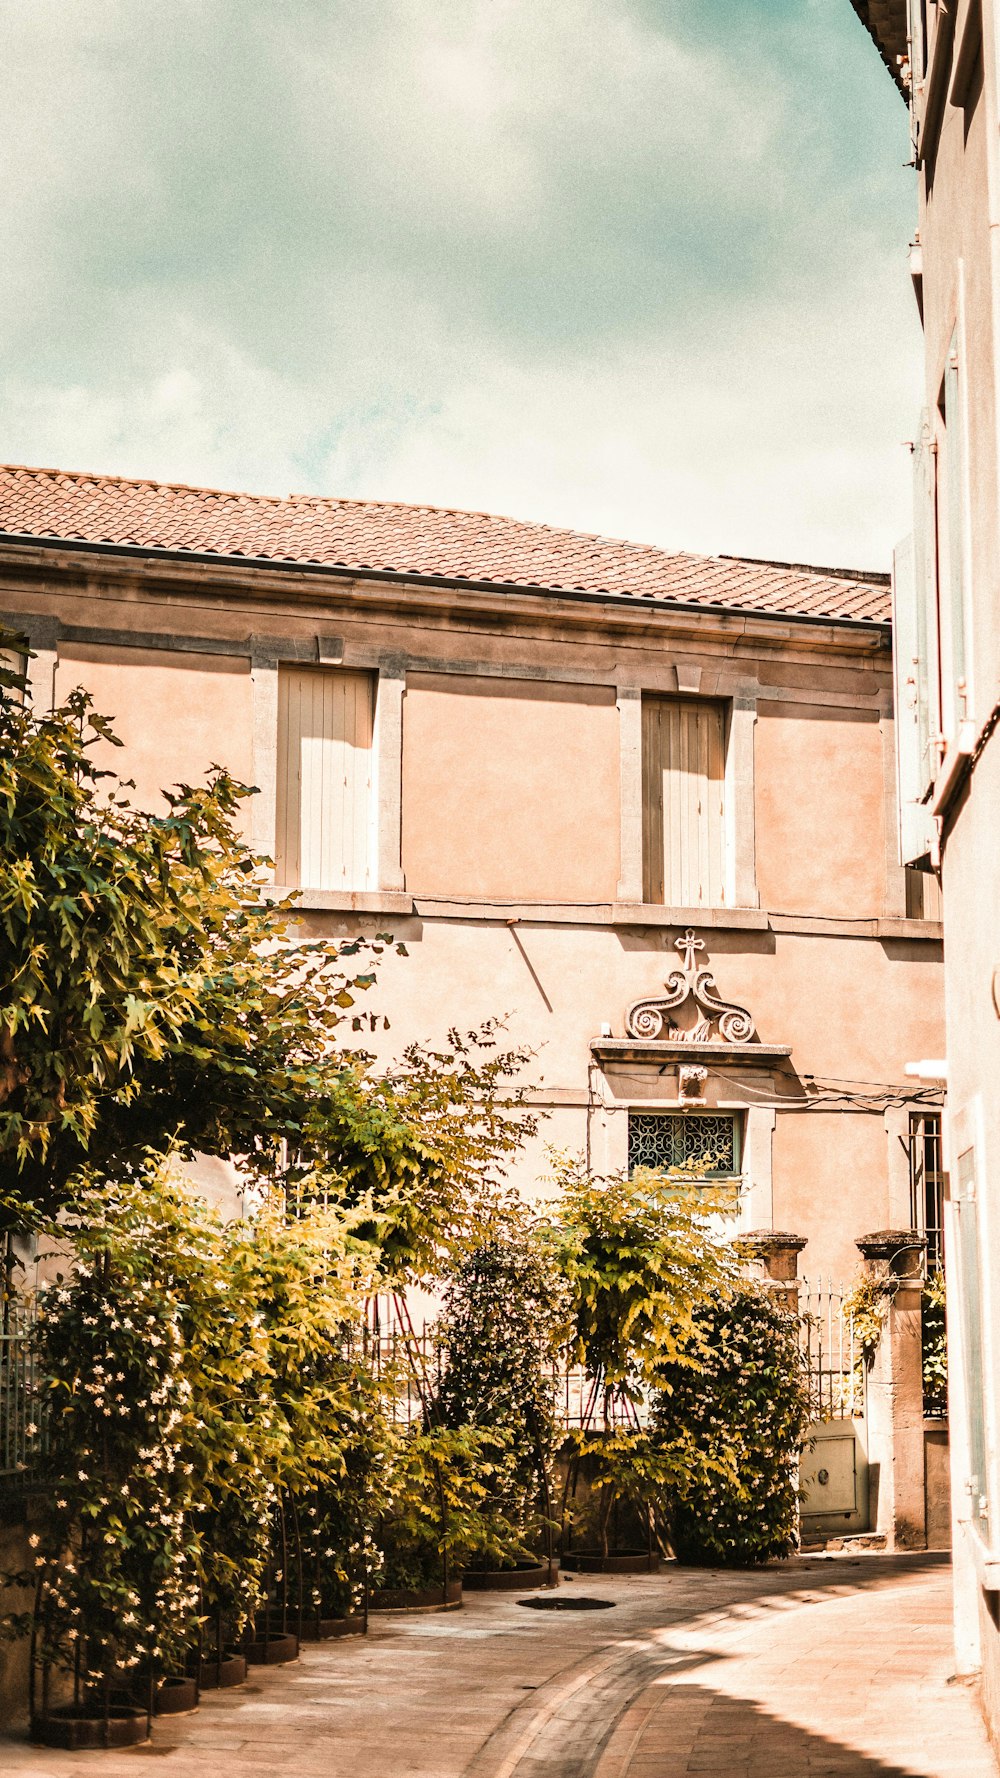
412	1361
21	1425
927	1185
832	1352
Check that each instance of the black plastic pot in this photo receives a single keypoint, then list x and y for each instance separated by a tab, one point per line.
271	1651
510	1580
324	1629
71	1727
413	1599
216	1675
622	1562
176	1695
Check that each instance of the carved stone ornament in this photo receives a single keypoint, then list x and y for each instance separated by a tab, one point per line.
649	1018
691	1080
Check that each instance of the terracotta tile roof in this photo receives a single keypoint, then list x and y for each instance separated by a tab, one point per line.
422	541
886	22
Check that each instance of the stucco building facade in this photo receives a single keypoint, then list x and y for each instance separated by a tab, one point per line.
641	805
947	595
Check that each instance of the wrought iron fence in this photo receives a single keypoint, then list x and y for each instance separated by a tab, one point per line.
832	1352
412	1360
21	1423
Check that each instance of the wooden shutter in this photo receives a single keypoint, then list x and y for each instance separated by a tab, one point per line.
909	665
683	759
324	801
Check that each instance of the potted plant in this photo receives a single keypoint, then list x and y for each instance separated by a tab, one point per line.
641	1257
434	1491
115	1590
502	1327
737	1391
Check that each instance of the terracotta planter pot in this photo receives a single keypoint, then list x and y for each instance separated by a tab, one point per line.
70	1728
217	1675
176	1695
271	1651
324	1629
411	1599
627	1562
510	1580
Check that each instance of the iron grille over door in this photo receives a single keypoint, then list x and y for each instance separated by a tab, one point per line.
927	1184
683	768
659	1139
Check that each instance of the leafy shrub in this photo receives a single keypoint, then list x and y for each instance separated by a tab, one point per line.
742	1396
643	1258
503	1321
116	1582
439	1511
935	1346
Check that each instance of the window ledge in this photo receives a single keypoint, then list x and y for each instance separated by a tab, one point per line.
931	931
737	1055
607	913
580	913
342	901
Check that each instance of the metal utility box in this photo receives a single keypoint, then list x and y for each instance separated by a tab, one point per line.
833	1479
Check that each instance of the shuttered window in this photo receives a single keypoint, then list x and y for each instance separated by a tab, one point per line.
955	597
324	791
683	770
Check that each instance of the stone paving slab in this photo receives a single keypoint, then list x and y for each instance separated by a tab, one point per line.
820	1668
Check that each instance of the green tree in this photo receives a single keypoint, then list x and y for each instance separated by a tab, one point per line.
642	1254
644	1258
151	997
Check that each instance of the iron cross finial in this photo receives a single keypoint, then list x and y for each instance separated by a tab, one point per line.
689	944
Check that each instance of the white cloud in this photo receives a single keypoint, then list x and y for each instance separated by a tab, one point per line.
633	266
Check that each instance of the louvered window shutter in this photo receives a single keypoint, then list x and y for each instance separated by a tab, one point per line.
916	826
683	802
324	791
924	639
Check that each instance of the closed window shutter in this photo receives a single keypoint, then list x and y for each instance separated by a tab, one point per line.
953	569
683	795
916	825
324	786
924	639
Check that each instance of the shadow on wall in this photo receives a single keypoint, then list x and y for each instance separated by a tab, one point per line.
653	939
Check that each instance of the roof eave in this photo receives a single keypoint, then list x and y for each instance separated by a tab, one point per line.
888	38
877	630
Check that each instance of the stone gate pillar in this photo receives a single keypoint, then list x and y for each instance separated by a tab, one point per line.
895	1394
778	1253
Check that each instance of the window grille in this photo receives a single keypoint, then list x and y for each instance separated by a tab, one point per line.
659	1139
927	1184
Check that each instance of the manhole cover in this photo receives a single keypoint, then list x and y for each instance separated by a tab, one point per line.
577	1603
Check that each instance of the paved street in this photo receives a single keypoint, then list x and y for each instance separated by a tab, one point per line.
826	1666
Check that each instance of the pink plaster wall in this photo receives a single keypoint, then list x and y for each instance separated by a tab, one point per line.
176	713
820	812
510	789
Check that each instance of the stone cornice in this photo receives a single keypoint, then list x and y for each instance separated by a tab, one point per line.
50	568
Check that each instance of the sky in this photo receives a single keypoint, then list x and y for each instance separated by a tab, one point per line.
633	266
